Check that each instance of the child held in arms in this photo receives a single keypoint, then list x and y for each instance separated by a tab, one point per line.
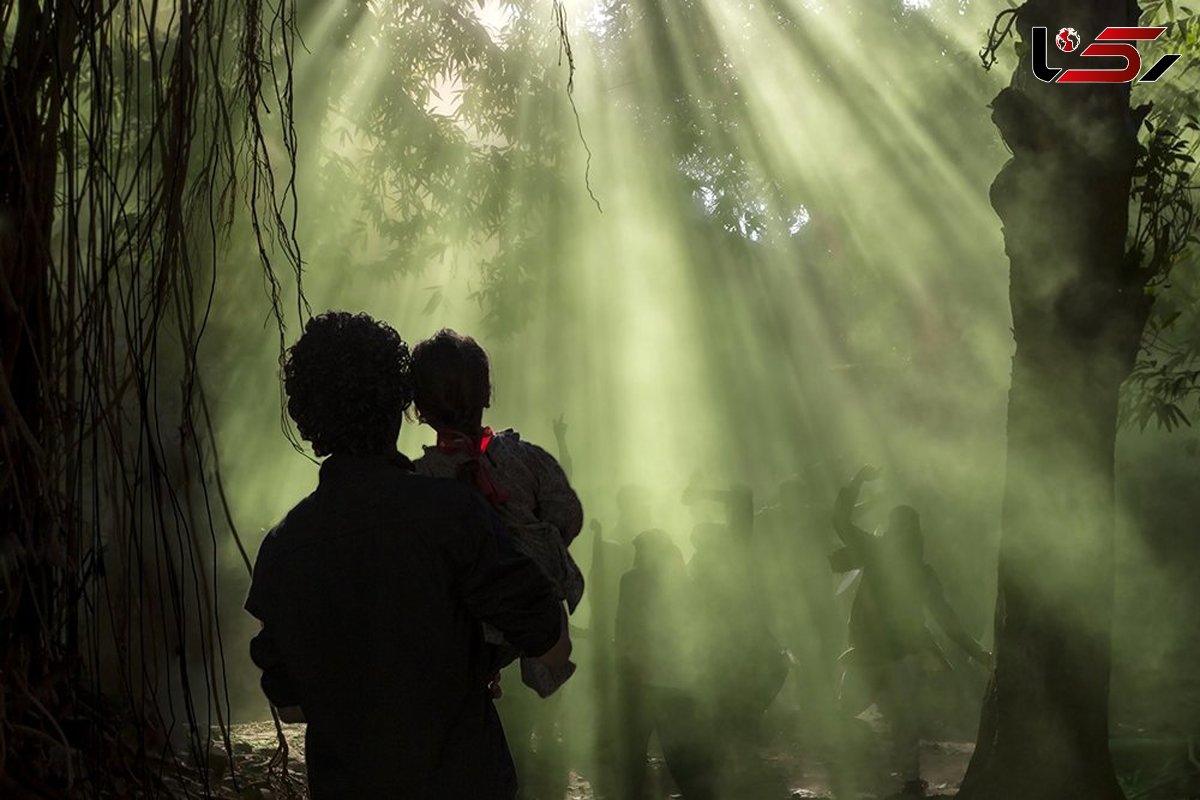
525	484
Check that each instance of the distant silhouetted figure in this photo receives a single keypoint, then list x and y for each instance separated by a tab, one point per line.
372	590
890	644
659	689
611	557
793	540
745	665
524	483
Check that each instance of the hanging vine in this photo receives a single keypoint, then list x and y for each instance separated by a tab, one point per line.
134	136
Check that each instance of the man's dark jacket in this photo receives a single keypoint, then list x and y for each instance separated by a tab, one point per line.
371	593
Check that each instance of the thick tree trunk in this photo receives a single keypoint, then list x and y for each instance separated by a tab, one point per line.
30	93
1078	314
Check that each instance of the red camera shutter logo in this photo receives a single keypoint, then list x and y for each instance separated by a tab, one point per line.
1114	42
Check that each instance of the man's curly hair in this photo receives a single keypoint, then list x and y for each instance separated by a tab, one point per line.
347	382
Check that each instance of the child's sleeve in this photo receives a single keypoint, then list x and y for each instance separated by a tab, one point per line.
557	502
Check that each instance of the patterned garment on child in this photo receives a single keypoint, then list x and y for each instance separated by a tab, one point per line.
531	493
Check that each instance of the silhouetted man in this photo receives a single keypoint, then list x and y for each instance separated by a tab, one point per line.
372	590
657	651
890	644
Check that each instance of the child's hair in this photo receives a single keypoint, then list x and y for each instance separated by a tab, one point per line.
451	381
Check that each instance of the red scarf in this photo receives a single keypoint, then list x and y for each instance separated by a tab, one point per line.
458	443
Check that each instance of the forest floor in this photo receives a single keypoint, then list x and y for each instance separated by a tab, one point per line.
771	775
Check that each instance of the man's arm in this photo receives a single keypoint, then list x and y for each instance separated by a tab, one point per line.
855	538
276	684
264	650
739	506
947	618
843	560
504	588
560	436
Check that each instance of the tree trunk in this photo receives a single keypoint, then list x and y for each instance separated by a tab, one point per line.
31	95
1078	315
